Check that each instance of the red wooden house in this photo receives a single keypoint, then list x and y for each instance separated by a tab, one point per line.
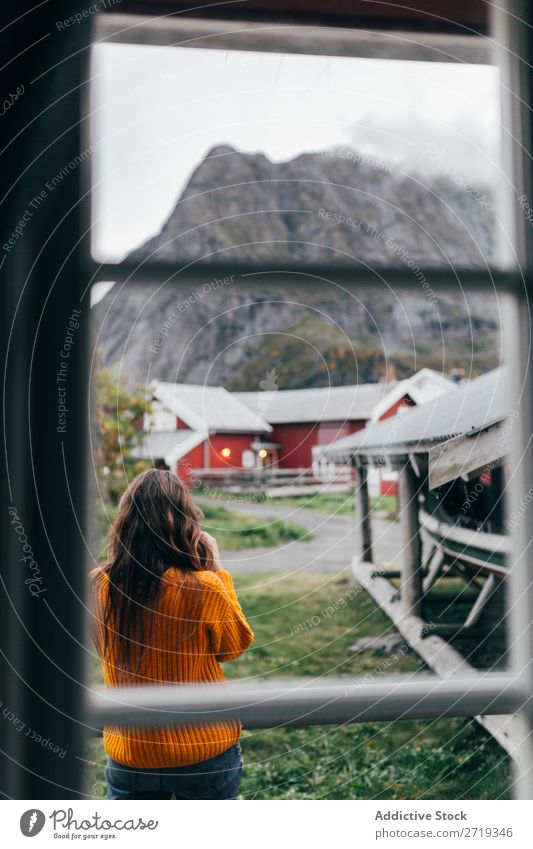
305	421
197	429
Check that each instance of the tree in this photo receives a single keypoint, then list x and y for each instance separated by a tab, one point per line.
119	420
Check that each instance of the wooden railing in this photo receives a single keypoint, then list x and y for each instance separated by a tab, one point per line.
299	479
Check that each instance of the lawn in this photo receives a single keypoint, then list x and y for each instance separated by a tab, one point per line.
340	503
237	531
304	625
233	531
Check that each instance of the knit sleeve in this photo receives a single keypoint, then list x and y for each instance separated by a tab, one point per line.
229	632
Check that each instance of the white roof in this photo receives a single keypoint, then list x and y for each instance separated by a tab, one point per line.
324	404
169	445
209	408
426	385
212	408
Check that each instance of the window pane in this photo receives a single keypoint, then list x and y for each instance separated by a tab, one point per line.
229	155
251	391
258	393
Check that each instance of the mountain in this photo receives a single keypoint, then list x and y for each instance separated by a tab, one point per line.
327	207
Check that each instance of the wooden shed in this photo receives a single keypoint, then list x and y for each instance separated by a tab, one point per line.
450	457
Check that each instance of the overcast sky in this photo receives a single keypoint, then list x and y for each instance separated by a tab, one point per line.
158	110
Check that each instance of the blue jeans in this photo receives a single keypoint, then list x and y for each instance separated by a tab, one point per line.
216	778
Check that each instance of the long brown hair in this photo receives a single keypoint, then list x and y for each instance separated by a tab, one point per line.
157	526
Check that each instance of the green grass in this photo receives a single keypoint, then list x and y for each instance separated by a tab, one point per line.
233	531
386	504
304	625
237	531
485	646
340	503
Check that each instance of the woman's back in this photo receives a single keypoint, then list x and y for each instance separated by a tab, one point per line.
164	612
181	650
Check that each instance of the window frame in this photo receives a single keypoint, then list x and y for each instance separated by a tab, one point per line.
269	705
350	700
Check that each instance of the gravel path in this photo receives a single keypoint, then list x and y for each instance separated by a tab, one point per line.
331	549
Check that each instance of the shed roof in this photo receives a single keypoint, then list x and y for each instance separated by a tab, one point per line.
475	405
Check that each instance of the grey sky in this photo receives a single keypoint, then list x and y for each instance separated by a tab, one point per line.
157	112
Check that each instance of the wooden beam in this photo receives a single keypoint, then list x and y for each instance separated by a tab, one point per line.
467	455
439	655
434	569
411	581
489	587
362	514
462	16
276	37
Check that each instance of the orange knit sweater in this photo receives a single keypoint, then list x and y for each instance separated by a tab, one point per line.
180	651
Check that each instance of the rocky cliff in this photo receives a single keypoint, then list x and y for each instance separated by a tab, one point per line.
329	207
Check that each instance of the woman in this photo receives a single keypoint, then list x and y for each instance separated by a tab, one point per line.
165	612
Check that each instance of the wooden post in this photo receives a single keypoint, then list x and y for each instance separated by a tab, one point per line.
411	580
362	512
